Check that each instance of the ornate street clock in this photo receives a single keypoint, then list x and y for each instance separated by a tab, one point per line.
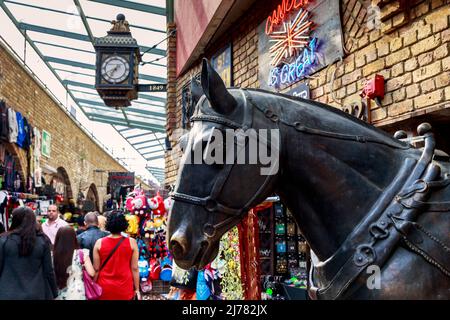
118	59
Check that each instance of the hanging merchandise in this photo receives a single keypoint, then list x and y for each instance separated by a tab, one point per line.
203	287
136	202
13	129
157	205
166	269
4	125
155	269
143	268
17	182
143	251
20	130
38	178
9	173
28	131
133	224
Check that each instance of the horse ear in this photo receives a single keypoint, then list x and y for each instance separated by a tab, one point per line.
216	92
196	90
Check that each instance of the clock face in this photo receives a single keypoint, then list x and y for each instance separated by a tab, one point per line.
115	69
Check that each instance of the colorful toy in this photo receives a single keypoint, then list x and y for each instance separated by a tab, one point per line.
157	205
136	202
143	268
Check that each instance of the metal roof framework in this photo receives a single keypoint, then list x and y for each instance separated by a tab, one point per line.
69	54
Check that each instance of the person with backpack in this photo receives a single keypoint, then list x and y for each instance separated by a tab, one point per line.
116	261
69	262
26	270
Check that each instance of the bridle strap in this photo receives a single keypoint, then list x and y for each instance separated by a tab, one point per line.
210	203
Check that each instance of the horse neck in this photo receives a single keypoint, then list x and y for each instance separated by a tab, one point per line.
330	184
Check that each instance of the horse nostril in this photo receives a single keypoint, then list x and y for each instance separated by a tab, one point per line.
177	249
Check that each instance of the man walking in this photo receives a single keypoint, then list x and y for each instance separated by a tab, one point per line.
87	239
53	223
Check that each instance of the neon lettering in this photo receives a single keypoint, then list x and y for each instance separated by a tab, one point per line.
284	74
273	78
281	12
295	71
291	77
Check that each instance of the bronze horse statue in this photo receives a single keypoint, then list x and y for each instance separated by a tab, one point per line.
361	198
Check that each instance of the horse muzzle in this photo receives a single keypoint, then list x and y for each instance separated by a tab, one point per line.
187	256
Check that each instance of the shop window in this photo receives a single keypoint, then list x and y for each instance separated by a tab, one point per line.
283	254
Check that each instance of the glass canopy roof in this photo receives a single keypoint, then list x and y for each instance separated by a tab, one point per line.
62	33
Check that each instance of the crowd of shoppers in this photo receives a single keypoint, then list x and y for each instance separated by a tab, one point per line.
46	261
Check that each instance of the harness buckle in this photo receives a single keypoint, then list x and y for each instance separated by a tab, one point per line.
364	255
379	230
209	230
210	205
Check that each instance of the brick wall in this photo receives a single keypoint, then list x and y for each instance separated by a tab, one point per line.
71	147
410	48
412	55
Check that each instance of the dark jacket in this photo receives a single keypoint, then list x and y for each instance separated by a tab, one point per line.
88	238
26	278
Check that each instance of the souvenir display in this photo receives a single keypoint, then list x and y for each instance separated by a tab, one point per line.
147	220
286	266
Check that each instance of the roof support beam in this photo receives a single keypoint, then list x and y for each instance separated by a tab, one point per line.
149	146
72	14
134	6
151	149
54	32
147	141
83	18
63	47
161	156
78	36
122	122
74	72
100	104
70	63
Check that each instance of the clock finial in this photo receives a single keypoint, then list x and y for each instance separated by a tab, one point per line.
120	25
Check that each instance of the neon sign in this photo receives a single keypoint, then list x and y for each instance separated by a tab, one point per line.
293	36
290	73
282	11
292	51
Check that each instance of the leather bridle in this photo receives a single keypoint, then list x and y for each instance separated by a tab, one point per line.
212	202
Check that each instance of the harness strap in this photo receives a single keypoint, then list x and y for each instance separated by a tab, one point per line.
381	241
427	206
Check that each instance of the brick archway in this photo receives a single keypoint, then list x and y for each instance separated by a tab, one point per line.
62	176
92	195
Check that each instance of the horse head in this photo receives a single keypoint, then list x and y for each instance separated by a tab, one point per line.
210	196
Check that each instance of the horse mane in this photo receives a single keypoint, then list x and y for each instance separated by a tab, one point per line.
367	128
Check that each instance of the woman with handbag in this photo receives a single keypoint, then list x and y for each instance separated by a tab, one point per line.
70	262
116	261
26	270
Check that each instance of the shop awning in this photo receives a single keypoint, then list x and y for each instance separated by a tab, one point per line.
62	33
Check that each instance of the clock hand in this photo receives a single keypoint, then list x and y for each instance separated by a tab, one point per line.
113	70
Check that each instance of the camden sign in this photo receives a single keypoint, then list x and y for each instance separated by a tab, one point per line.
299	38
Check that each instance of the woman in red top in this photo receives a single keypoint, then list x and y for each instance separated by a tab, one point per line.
119	276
